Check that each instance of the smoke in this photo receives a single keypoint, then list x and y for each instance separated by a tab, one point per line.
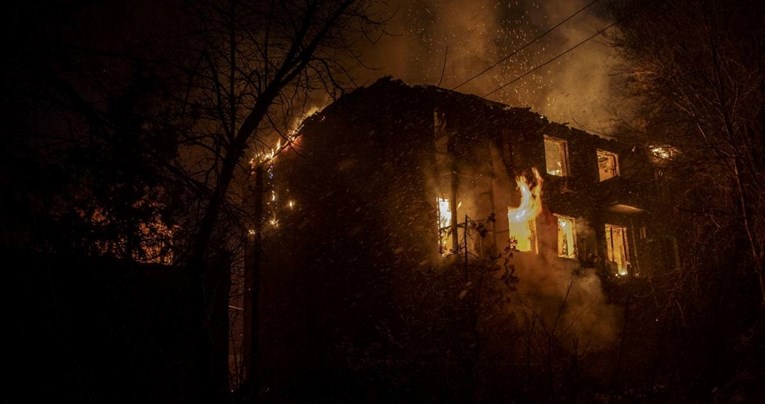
567	300
564	297
446	42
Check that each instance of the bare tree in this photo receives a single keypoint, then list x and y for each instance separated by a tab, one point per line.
254	67
697	68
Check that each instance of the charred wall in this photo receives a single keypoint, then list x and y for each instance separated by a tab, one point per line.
361	223
353	278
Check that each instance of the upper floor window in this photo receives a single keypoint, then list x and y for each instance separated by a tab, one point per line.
608	165
566	237
556	156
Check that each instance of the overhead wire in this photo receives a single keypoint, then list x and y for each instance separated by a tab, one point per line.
527	44
589	38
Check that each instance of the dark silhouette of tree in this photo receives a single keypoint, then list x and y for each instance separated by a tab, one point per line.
252	69
130	118
86	131
695	68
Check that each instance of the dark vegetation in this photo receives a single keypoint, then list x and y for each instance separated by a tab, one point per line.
112	117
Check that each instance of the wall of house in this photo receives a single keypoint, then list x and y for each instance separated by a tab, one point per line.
348	274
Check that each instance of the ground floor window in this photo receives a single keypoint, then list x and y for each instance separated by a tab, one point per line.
444	225
524	232
618	248
566	237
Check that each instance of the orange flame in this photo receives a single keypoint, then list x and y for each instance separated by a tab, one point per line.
521	218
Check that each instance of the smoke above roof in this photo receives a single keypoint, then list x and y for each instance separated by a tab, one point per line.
446	42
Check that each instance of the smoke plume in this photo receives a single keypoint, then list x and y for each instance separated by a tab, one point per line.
446	42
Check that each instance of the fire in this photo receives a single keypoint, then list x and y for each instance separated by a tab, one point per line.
290	141
521	219
444	224
270	155
663	153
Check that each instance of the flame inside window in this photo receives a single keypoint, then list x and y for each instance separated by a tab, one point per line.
444	225
618	248
566	237
521	220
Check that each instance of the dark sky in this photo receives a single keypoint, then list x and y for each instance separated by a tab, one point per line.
468	35
577	88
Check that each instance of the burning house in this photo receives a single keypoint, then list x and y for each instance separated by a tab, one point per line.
394	188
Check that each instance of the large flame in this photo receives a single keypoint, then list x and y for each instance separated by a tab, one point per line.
521	219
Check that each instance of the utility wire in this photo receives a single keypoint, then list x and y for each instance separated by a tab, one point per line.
527	44
602	30
553	59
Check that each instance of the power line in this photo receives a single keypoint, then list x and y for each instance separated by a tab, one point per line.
553	59
568	50
513	53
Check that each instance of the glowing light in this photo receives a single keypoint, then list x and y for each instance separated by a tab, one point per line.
444	224
274	222
290	140
566	237
521	219
618	249
663	153
291	204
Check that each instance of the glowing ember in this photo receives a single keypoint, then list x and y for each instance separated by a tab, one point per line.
290	141
270	155
521	219
663	153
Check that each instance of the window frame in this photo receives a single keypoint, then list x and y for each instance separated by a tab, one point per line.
444	217
625	253
616	169
531	226
562	155
573	253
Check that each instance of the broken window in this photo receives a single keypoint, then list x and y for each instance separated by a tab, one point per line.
618	249
524	232
608	165
444	225
566	237
556	156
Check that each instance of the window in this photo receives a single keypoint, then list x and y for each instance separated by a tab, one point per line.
608	165
444	225
556	156
618	249
566	237
524	232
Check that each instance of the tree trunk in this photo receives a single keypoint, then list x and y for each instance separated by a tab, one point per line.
252	290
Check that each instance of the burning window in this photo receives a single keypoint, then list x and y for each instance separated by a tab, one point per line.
566	237
525	235
521	220
618	249
444	225
608	165
556	156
